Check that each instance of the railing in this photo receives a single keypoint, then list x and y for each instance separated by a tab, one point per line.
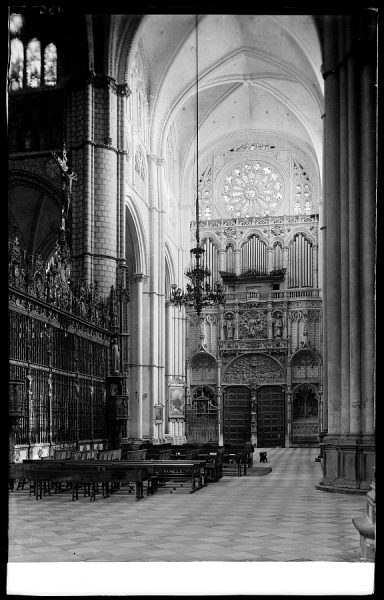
260	296
252	344
249	221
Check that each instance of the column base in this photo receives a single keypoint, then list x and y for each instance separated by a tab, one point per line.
347	463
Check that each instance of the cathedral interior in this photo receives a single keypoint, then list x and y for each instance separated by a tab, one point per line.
191	234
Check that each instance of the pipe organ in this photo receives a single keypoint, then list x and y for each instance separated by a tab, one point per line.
254	255
301	262
211	259
229	259
277	256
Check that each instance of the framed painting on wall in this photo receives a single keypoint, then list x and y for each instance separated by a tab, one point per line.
176	401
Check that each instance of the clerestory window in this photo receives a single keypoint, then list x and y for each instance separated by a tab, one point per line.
31	63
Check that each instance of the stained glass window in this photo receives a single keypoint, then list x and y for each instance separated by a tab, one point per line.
16	23
33	60
50	65
253	189
16	65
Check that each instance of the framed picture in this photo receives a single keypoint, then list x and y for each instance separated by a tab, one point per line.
158	413
176	401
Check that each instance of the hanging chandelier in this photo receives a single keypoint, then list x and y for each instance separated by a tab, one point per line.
198	293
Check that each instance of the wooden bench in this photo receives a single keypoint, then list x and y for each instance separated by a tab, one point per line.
134	454
159	454
110	455
85	455
214	462
87	474
236	457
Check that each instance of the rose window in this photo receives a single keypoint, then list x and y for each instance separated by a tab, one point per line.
253	190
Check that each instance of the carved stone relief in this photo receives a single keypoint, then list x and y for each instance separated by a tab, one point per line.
254	369
253	325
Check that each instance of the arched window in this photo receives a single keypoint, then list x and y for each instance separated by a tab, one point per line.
33	63
16	65
50	65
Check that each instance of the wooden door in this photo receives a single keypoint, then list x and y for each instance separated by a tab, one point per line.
237	416
270	417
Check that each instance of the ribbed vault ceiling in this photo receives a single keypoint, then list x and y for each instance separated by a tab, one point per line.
250	72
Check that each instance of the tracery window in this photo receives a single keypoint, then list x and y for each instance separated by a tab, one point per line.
16	67
50	65
31	63
253	189
303	190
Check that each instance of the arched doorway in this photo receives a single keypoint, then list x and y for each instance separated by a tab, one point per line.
236	415
270	416
305	415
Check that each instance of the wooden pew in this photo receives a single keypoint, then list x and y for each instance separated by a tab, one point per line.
84	473
214	462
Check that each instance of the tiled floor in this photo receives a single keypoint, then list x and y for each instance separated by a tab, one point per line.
280	516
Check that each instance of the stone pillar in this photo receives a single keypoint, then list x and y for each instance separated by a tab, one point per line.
157	283
349	250
139	279
288	435
219	407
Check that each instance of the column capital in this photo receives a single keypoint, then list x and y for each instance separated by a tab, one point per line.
139	277
157	160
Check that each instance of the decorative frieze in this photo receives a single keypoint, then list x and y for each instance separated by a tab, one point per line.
256	369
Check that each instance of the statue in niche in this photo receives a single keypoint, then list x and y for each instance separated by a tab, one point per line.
115	357
228	329
278	327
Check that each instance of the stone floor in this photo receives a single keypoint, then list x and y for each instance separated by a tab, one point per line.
279	516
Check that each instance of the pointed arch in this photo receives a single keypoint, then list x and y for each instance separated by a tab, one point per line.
136	241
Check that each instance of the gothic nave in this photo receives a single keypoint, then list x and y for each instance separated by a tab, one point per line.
191	268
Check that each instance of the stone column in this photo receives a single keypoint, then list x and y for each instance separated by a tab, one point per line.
219	400
157	283
368	97
349	203
332	215
139	278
